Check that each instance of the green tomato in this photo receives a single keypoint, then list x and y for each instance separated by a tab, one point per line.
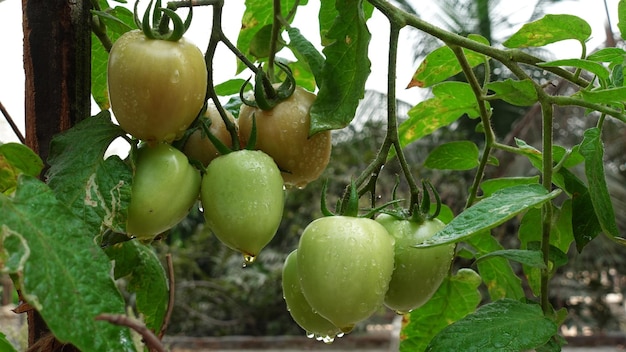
301	311
345	265
418	272
242	196
283	133
156	87
165	186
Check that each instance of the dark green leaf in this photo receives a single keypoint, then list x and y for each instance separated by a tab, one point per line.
442	64
527	257
495	184
345	71
63	273
491	212
17	159
97	190
605	96
504	325
456	297
458	155
305	50
520	93
260	43
303	75
146	278
550	29
328	13
593	151
451	101
588	65
497	273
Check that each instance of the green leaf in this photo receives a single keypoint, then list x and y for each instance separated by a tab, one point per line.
550	29
146	278
611	55
260	43
231	87
456	297
605	96
327	14
504	325
497	273
118	21
588	65
520	93
491	212
5	345
451	100
16	159
495	184
593	151
458	155
97	190
442	64
62	272
345	71
303	75
258	14
621	15
527	257
305	50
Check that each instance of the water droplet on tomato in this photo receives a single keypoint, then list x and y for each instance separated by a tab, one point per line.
175	77
399	312
248	259
310	335
328	339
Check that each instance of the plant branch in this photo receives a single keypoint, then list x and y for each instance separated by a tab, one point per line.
276	27
547	127
152	342
566	101
13	125
172	293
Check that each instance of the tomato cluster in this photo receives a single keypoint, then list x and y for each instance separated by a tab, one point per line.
346	268
158	88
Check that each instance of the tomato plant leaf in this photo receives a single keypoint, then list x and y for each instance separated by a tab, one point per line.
118	21
97	190
16	159
604	96
442	64
588	65
497	273
550	29
231	87
458	155
593	151
457	296
491	212
258	14
611	55
520	93
62	272
305	51
146	278
495	184
327	15
527	257
345	71
5	345
451	100
503	325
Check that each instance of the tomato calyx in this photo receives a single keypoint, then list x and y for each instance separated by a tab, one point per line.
160	22
349	205
265	95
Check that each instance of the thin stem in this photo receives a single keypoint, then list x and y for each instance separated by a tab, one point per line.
566	101
99	28
547	139
485	117
13	125
276	27
152	342
170	301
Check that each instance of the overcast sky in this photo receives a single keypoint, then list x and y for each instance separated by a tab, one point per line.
12	72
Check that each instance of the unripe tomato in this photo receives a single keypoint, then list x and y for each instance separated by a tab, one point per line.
345	265
199	147
283	133
165	186
157	87
418	271
301	311
242	196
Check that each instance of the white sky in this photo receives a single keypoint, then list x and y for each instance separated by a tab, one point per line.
12	72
